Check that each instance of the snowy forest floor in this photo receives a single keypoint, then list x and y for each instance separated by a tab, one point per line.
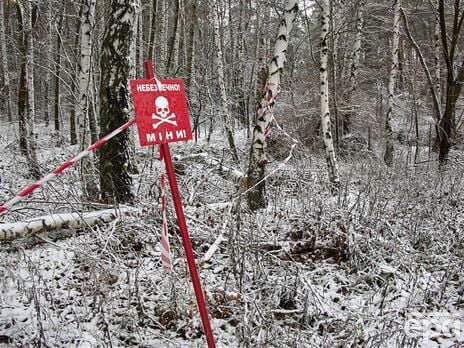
378	265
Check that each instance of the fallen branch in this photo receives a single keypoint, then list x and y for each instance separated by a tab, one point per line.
14	230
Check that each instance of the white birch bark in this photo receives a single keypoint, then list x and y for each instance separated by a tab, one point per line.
21	229
5	69
226	120
330	156
389	146
88	172
82	110
256	167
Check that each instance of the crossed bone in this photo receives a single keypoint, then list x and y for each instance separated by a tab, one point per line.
171	119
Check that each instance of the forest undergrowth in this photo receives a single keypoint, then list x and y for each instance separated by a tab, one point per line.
371	266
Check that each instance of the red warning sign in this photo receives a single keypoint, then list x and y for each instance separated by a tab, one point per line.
161	111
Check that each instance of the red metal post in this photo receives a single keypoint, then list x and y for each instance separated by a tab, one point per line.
166	153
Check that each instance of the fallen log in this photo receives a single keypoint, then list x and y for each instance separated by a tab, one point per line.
20	229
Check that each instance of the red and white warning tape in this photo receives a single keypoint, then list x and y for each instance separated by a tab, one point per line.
267	108
166	259
7	205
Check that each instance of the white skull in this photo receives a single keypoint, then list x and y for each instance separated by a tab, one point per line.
162	107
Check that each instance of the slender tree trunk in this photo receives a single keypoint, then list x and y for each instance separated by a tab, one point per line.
153	24
162	24
257	162
326	126
355	58
73	118
57	106
49	65
26	107
88	173
389	147
174	39
191	43
336	24
84	71
240	70
222	86
454	83
140	57
436	58
5	68
115	180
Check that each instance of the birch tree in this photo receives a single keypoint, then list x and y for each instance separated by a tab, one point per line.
389	146
326	126
115	180
257	161
5	68
226	120
89	186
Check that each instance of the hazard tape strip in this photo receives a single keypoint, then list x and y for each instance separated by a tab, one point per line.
27	191
270	99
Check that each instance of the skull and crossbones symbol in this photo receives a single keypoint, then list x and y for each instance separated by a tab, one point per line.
163	113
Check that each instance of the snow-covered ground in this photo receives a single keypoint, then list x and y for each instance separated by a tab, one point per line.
378	265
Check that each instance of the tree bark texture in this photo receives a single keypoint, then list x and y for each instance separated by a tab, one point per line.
26	108
153	22
326	127
57	106
115	180
257	160
226	120
454	77
190	63
5	68
355	58
389	146
88	175
171	64
21	229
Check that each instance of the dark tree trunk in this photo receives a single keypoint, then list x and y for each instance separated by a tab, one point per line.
115	70
454	84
